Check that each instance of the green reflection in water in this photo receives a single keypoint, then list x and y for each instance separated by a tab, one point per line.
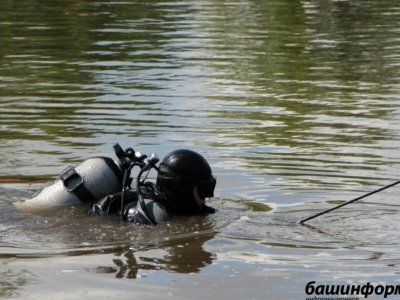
316	85
256	206
290	88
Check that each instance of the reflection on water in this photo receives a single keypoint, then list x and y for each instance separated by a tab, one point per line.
182	258
11	281
294	103
240	238
302	91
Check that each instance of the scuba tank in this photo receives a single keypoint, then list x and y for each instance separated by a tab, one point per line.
92	180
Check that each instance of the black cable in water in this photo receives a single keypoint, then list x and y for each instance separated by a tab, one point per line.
348	202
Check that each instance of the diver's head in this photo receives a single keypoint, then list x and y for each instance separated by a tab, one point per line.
186	179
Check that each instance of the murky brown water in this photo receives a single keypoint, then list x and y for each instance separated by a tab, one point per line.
294	103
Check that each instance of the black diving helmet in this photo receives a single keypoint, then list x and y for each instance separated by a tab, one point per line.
179	173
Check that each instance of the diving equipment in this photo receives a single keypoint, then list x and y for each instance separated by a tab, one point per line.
153	199
92	180
184	180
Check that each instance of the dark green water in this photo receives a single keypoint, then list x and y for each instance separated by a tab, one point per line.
296	105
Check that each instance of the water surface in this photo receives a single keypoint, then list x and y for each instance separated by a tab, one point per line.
294	103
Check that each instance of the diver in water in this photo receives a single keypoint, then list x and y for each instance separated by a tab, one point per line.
183	183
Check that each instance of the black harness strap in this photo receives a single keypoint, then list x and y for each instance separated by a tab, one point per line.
113	167
84	194
74	183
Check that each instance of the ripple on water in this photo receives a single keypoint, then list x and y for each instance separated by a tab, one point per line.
70	229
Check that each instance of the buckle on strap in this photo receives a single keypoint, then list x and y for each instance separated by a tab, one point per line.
71	179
